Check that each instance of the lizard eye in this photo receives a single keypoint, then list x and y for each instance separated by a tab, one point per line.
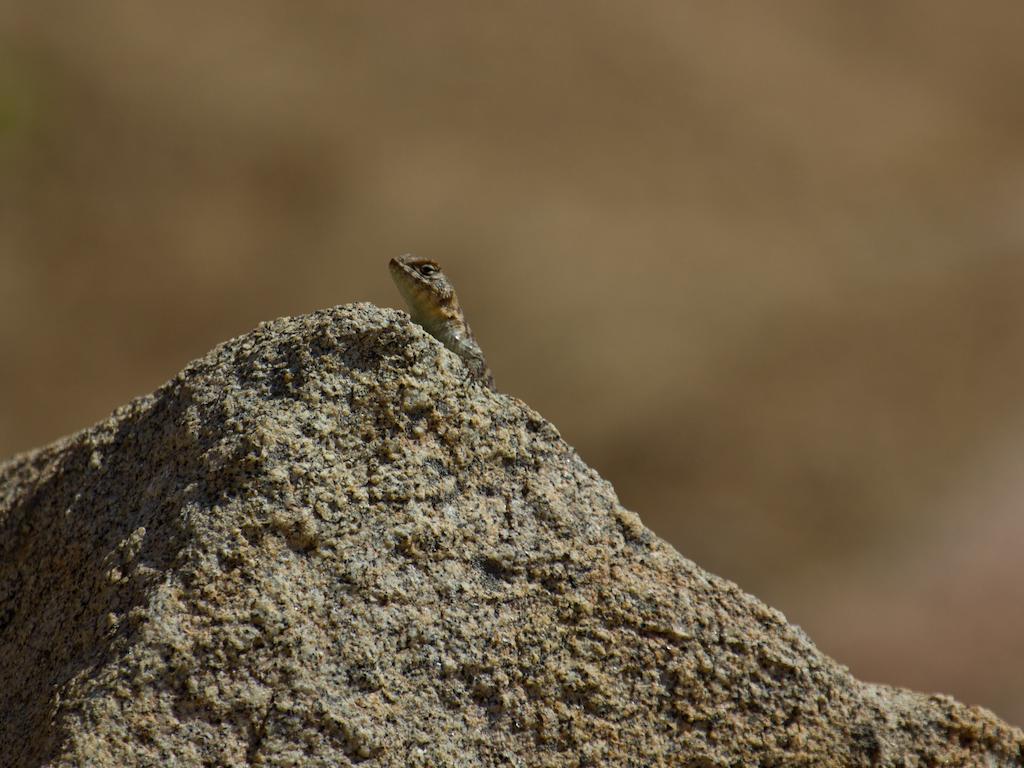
427	269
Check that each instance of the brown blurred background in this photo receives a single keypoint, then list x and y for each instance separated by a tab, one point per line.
761	263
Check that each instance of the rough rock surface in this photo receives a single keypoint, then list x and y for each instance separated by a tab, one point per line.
323	544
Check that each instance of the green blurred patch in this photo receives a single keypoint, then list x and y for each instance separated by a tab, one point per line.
18	102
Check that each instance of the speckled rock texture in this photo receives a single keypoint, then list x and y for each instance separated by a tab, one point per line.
323	544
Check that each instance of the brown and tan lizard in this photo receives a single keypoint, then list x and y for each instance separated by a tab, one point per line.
433	305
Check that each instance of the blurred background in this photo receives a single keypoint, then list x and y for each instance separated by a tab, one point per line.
762	264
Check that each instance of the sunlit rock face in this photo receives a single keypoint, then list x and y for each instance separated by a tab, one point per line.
325	544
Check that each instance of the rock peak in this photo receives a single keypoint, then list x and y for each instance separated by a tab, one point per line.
325	543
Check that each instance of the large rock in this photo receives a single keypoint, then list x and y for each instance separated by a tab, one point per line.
324	544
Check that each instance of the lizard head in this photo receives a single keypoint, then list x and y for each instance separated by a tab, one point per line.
421	281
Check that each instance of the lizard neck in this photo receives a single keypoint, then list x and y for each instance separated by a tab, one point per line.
442	319
449	330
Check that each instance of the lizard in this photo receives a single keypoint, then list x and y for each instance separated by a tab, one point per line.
433	305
